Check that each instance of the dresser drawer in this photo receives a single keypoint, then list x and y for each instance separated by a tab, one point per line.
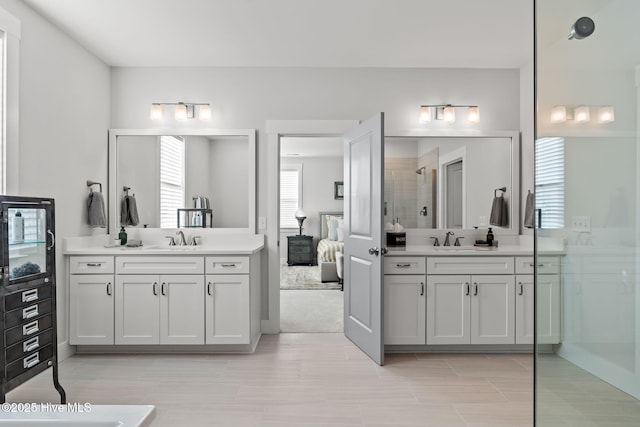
25	347
546	265
299	249
404	265
28	362
22	315
227	265
91	264
28	297
160	265
470	265
27	330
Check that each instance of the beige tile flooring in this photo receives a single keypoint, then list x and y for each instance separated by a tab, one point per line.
303	380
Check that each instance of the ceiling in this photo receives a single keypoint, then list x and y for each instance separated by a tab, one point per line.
299	33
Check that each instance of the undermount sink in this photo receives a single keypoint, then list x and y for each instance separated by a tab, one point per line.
453	248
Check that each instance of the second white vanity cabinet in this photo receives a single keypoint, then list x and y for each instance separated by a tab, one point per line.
165	308
404	300
91	295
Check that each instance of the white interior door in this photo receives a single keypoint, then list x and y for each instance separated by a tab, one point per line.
363	293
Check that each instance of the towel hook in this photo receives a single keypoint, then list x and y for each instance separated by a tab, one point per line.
126	190
90	184
495	192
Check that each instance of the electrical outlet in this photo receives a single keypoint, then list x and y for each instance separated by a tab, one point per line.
482	222
581	223
262	222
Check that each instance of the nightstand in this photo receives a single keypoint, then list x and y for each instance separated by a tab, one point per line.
300	250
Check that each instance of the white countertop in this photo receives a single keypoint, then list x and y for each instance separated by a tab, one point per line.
224	244
512	250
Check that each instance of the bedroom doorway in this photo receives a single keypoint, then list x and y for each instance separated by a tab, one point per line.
310	213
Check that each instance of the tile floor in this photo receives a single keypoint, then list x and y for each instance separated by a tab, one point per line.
323	380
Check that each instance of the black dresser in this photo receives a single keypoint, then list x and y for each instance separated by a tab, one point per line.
300	250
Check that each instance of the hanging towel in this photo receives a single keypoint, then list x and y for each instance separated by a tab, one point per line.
129	211
499	215
95	204
529	211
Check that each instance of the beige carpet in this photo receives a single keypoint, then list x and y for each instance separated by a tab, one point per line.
311	311
303	277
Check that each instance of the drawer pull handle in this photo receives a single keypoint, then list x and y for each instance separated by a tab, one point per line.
421	288
229	265
94	264
403	265
155	288
31	361
30	295
475	291
31	344
162	291
521	288
109	291
209	289
30	328
468	288
533	265
29	312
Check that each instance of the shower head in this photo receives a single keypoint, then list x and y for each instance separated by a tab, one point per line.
582	28
419	171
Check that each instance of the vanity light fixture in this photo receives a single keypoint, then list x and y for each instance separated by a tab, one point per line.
581	113
447	113
182	111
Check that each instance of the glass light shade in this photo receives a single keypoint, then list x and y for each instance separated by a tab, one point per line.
425	114
300	214
204	113
473	114
181	112
582	114
156	112
606	114
449	114
559	114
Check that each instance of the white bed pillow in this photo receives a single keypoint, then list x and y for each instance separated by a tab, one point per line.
333	222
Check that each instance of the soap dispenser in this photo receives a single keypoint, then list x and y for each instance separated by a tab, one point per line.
490	237
123	236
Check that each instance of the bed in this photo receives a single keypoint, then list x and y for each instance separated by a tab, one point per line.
328	246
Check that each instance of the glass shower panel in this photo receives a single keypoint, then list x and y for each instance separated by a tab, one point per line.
587	199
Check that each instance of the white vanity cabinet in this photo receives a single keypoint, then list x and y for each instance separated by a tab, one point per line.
404	300
476	308
227	300
159	300
548	288
91	296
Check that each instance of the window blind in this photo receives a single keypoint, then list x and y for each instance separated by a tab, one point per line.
549	177
289	197
171	180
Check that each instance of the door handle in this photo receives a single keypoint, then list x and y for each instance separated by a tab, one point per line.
109	289
475	290
209	289
374	251
162	291
53	240
421	288
384	251
155	288
468	288
521	288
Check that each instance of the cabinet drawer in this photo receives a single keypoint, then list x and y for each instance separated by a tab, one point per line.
300	249
160	265
28	362
22	315
470	265
546	265
91	264
28	297
25	347
27	330
404	265
227	265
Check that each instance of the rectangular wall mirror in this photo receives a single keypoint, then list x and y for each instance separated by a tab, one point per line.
449	181
190	178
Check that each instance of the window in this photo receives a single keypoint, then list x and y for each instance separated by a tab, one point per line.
171	180
290	195
550	181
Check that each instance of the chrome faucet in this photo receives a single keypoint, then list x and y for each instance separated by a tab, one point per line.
182	241
446	239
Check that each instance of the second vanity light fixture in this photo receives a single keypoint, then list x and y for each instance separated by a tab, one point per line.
582	113
447	113
183	110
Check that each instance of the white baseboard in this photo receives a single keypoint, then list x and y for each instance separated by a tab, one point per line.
65	350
